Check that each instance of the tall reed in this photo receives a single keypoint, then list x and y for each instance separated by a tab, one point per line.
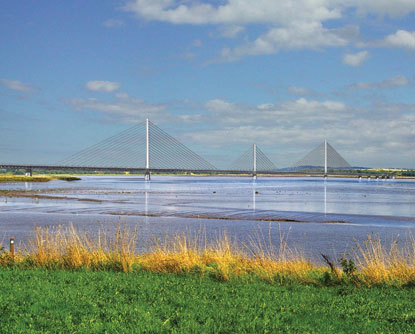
69	248
379	263
223	257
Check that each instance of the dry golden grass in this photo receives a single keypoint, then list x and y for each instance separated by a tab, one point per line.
69	248
224	258
381	264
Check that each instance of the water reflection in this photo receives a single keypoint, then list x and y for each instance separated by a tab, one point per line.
146	200
221	196
325	196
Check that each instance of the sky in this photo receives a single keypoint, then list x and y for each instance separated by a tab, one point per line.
218	75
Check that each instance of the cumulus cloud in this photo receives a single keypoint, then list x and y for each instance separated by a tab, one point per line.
296	36
401	39
263	11
102	86
17	85
233	11
355	59
231	31
290	24
233	113
123	109
295	24
397	81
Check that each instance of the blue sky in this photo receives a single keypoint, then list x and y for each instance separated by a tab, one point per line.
218	75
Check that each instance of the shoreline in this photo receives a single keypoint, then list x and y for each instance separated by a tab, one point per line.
36	178
4	178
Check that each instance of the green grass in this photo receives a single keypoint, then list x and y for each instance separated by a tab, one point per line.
39	301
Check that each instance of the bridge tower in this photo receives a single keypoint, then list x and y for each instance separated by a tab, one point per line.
147	176
254	163
325	158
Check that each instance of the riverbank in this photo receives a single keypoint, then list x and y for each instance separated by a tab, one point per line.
40	301
38	178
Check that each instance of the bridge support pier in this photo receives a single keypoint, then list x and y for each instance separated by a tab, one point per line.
147	176
29	172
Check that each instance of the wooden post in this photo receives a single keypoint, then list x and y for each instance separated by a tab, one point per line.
12	247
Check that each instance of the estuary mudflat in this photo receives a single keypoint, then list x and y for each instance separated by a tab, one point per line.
314	214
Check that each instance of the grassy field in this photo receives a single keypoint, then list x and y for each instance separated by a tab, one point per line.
40	178
39	301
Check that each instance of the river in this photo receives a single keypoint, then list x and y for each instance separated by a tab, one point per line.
315	215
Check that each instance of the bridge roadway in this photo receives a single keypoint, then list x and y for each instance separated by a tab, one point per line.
30	167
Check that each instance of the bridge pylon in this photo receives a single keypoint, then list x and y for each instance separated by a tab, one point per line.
325	158
254	162
147	176
322	157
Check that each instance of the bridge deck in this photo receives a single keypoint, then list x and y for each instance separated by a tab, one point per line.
172	170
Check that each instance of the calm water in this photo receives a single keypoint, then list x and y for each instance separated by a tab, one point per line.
318	215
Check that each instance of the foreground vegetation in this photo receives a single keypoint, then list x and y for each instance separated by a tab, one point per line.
224	259
84	301
39	178
65	280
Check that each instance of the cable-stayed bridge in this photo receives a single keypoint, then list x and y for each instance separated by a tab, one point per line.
145	148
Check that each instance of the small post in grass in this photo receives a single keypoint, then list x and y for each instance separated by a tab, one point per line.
12	247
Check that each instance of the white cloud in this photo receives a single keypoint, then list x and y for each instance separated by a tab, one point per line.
233	11
233	113
17	85
355	59
231	31
401	39
242	12
397	81
290	24
124	109
102	86
112	23
296	36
